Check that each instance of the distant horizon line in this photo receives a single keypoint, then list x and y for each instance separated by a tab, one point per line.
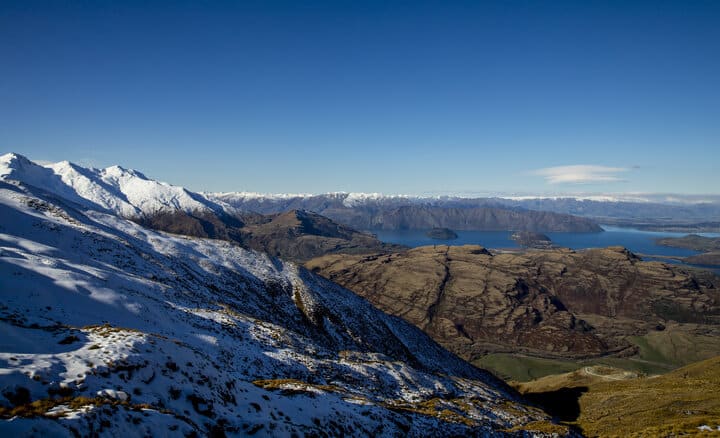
641	197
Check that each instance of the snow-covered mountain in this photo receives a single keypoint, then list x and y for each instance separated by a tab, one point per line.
125	192
112	329
346	199
131	194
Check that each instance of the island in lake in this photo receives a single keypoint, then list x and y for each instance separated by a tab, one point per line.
442	234
529	239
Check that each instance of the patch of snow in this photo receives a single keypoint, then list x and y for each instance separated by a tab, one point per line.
113	394
706	428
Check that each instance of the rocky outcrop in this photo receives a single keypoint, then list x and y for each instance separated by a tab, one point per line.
555	303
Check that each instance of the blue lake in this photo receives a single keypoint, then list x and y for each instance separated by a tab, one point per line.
642	242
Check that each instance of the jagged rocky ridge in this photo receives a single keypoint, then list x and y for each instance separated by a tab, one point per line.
111	328
551	303
124	192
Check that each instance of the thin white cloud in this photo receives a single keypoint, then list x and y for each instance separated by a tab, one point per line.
581	174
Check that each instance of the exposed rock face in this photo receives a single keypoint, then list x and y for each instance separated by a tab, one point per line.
529	239
442	234
557	303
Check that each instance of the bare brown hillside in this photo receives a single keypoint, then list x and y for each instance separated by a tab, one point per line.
555	303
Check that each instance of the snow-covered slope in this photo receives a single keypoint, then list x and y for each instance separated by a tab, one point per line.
121	191
112	329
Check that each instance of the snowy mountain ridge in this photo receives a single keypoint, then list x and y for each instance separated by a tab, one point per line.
124	192
131	194
348	199
110	328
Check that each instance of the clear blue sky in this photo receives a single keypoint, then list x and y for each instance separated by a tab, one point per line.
396	97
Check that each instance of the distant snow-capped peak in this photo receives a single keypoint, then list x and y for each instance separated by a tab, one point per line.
122	191
355	199
349	199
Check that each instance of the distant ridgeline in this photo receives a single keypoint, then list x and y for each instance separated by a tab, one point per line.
404	213
375	211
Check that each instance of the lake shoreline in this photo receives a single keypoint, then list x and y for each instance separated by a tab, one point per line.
642	243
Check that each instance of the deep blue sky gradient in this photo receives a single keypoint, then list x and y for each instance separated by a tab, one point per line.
397	97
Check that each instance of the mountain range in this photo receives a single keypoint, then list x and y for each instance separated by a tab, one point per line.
378	212
131	194
133	306
295	235
364	211
111	328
